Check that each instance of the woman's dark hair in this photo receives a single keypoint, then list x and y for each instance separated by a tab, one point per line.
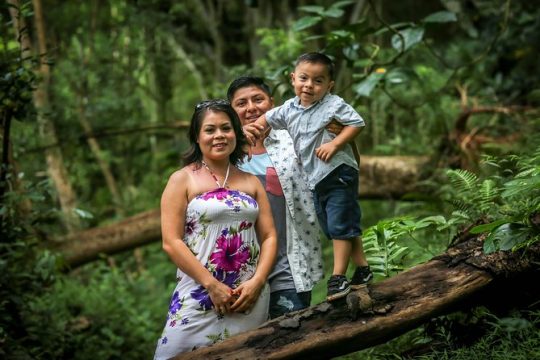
247	81
194	154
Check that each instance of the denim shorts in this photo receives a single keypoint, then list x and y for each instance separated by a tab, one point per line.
336	203
285	301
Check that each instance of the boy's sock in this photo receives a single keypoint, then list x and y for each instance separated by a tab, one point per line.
338	287
362	275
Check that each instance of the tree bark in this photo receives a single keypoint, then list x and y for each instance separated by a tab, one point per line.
391	177
88	245
458	279
381	177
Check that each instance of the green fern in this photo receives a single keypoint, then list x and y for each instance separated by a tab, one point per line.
487	195
383	242
462	180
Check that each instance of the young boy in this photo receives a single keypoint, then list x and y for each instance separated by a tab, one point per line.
332	173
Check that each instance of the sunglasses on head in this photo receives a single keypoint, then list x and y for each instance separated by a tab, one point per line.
207	103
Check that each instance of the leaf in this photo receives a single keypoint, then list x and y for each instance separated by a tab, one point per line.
351	51
521	186
342	34
333	13
436	219
411	36
365	87
397	76
83	214
319	10
306	22
341	4
488	227
440	17
462	180
505	237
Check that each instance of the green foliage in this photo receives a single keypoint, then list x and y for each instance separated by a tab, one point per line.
457	337
507	202
100	317
383	241
28	271
16	87
515	337
131	66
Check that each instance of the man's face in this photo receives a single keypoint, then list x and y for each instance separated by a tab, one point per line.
251	102
311	81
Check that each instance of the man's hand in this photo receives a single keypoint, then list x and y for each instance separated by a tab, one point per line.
335	127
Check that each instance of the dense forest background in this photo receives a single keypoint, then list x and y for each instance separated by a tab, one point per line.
94	100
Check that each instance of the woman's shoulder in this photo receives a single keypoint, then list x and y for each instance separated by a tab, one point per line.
184	174
244	175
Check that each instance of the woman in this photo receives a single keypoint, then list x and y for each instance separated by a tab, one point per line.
299	262
211	217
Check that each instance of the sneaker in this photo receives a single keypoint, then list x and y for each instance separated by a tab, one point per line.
362	275
338	287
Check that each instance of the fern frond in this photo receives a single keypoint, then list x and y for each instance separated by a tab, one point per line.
462	180
487	195
462	206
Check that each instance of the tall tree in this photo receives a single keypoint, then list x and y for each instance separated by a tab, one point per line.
55	162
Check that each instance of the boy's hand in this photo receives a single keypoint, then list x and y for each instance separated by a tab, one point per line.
253	132
326	151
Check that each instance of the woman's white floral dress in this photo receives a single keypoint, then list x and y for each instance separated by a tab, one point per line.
220	232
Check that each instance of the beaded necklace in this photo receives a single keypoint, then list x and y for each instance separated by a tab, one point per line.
215	177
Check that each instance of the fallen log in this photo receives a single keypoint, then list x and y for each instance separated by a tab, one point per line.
380	177
452	281
85	246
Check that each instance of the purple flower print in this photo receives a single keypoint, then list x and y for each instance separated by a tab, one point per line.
218	194
191	225
184	321
164	340
173	323
232	197
245	225
201	295
228	278
230	254
243	196
176	303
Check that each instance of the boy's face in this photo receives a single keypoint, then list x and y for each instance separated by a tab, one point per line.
311	81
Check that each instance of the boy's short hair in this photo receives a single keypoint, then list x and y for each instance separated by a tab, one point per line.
247	81
317	58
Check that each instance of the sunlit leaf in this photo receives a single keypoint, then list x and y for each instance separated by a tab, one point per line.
440	17
83	214
333	12
365	87
505	237
488	227
306	22
411	36
312	9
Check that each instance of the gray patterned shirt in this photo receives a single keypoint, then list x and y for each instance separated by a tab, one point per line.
303	247
307	129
